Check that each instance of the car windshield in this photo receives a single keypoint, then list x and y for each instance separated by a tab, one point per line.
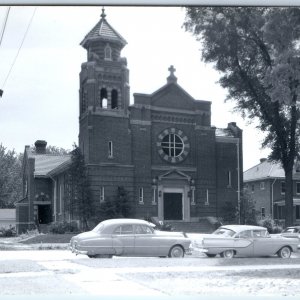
98	228
224	232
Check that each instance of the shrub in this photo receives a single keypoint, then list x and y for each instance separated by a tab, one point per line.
7	232
61	228
270	224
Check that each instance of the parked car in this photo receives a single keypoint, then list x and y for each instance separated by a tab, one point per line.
130	237
291	232
245	241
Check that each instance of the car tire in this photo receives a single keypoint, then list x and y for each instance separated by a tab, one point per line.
210	255
176	251
284	252
227	254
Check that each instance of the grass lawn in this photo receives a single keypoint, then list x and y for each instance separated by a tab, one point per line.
49	238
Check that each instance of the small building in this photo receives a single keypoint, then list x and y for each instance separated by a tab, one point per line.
39	187
265	182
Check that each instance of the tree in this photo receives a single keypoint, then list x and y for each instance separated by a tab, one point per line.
78	195
10	177
248	211
116	207
259	62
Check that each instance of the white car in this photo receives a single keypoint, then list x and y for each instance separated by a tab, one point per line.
245	241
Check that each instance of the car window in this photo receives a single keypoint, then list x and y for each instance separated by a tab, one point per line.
260	233
124	229
224	232
245	234
290	230
143	229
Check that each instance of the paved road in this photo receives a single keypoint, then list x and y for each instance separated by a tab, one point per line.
59	272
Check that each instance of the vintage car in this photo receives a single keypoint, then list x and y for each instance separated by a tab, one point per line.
129	237
291	232
244	241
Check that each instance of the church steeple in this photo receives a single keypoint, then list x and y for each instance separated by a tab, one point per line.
103	31
104	78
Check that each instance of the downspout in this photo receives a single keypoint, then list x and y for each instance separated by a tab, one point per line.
54	197
238	179
272	199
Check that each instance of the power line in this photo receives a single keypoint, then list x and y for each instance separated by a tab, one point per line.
4	25
30	21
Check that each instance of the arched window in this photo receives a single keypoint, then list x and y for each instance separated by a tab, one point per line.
103	98
107	53
114	99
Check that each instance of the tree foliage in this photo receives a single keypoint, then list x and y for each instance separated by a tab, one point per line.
116	207
78	198
10	177
257	52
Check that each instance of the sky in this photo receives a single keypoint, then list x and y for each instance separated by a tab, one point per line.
41	94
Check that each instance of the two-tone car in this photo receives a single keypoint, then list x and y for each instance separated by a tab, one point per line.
244	241
129	237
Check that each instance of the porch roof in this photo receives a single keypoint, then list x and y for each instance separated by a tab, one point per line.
296	201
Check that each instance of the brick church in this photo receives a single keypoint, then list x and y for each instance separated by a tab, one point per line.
162	148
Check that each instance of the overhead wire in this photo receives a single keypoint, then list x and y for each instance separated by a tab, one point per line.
15	59
4	25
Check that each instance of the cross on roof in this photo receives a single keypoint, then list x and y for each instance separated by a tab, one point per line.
172	70
103	15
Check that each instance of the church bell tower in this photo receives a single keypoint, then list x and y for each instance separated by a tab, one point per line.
103	94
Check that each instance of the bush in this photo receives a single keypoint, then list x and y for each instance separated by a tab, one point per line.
61	228
270	224
7	232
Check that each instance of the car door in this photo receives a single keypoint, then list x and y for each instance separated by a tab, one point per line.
123	240
243	243
145	242
264	245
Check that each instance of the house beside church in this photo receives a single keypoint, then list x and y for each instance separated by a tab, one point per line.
162	148
265	183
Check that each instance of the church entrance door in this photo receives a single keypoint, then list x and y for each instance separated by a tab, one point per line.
173	206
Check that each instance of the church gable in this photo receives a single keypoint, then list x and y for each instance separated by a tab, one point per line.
172	96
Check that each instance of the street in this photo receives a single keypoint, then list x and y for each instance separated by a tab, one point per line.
60	272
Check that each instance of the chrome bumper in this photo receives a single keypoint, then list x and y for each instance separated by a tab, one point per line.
76	251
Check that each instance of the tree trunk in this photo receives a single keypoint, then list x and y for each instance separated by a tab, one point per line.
289	212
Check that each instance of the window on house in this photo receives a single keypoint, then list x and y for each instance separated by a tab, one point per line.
141	195
102	194
298	187
229	179
193	195
282	187
110	149
207	198
107	52
154	195
262	185
297	211
114	99
252	187
263	212
103	98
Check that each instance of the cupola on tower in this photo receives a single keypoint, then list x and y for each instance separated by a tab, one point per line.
104	87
